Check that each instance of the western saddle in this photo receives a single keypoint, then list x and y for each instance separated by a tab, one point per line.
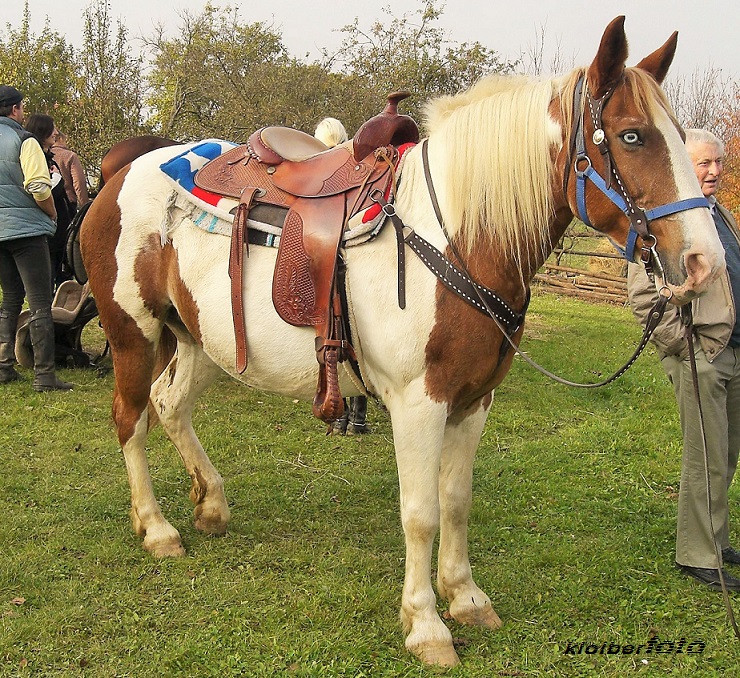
321	189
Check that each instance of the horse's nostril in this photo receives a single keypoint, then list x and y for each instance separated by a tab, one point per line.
698	270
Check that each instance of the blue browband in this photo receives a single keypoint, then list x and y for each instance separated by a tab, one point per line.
634	213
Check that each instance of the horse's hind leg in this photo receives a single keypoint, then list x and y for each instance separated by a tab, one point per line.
133	360
173	396
468	604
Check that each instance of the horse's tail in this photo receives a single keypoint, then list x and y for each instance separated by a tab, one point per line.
165	351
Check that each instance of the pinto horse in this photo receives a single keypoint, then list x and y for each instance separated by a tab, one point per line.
508	163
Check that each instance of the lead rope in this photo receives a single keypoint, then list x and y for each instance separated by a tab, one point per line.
687	320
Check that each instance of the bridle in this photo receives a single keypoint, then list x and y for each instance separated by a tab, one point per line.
617	193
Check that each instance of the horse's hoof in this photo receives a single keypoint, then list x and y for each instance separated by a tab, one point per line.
214	527
437	655
164	548
167	551
477	616
211	522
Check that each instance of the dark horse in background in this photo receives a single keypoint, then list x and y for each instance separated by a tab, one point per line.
122	153
117	157
507	159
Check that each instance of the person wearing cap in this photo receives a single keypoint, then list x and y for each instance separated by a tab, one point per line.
27	218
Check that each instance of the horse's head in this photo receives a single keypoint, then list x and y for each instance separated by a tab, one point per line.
627	172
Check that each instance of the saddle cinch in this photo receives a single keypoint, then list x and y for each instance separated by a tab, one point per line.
321	189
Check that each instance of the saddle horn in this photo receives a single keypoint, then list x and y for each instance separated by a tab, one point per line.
388	128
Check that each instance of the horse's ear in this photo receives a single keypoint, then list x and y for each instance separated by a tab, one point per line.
658	63
608	66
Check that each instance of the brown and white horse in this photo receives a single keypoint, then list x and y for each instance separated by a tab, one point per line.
510	168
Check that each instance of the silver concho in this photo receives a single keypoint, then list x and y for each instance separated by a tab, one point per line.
598	136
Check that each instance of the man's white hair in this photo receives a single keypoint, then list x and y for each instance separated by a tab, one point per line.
704	136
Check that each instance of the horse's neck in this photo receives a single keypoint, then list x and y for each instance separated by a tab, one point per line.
489	262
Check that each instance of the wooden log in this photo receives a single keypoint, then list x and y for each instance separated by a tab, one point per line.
578	253
580	271
586	296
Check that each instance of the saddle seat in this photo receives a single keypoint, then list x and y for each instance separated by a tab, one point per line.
322	188
272	145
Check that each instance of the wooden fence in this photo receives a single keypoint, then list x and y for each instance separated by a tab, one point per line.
585	265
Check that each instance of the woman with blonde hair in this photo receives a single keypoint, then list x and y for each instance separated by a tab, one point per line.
331	132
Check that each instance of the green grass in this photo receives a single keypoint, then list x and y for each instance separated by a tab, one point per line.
571	532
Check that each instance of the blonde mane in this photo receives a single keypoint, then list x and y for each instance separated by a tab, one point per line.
499	140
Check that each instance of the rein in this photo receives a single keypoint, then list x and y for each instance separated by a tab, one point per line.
457	279
686	318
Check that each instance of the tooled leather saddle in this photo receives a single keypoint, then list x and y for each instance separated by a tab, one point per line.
321	189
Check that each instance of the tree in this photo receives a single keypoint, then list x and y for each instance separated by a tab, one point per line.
218	77
109	95
412	53
42	67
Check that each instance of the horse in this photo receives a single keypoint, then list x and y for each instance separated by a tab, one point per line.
503	169
123	152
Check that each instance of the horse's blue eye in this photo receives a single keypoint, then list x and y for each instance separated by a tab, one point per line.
631	138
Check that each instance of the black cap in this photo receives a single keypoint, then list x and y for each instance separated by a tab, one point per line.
9	96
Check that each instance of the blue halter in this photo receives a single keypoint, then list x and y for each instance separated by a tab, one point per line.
639	218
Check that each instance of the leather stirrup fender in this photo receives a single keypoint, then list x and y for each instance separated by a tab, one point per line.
236	273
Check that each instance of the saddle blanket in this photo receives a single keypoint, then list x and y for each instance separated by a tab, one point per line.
215	213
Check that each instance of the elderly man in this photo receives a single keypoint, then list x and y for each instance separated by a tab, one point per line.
717	329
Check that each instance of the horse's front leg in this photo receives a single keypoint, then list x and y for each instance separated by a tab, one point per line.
418	430
468	604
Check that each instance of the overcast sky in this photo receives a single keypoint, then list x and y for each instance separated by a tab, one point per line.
709	33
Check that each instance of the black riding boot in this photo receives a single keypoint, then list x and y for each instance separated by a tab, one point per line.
8	325
41	328
358	416
340	425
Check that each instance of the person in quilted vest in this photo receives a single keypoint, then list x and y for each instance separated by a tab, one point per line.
27	218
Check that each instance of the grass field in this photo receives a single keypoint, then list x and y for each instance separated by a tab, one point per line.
571	533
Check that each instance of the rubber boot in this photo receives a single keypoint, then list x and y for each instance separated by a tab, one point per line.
339	427
41	328
8	326
357	416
